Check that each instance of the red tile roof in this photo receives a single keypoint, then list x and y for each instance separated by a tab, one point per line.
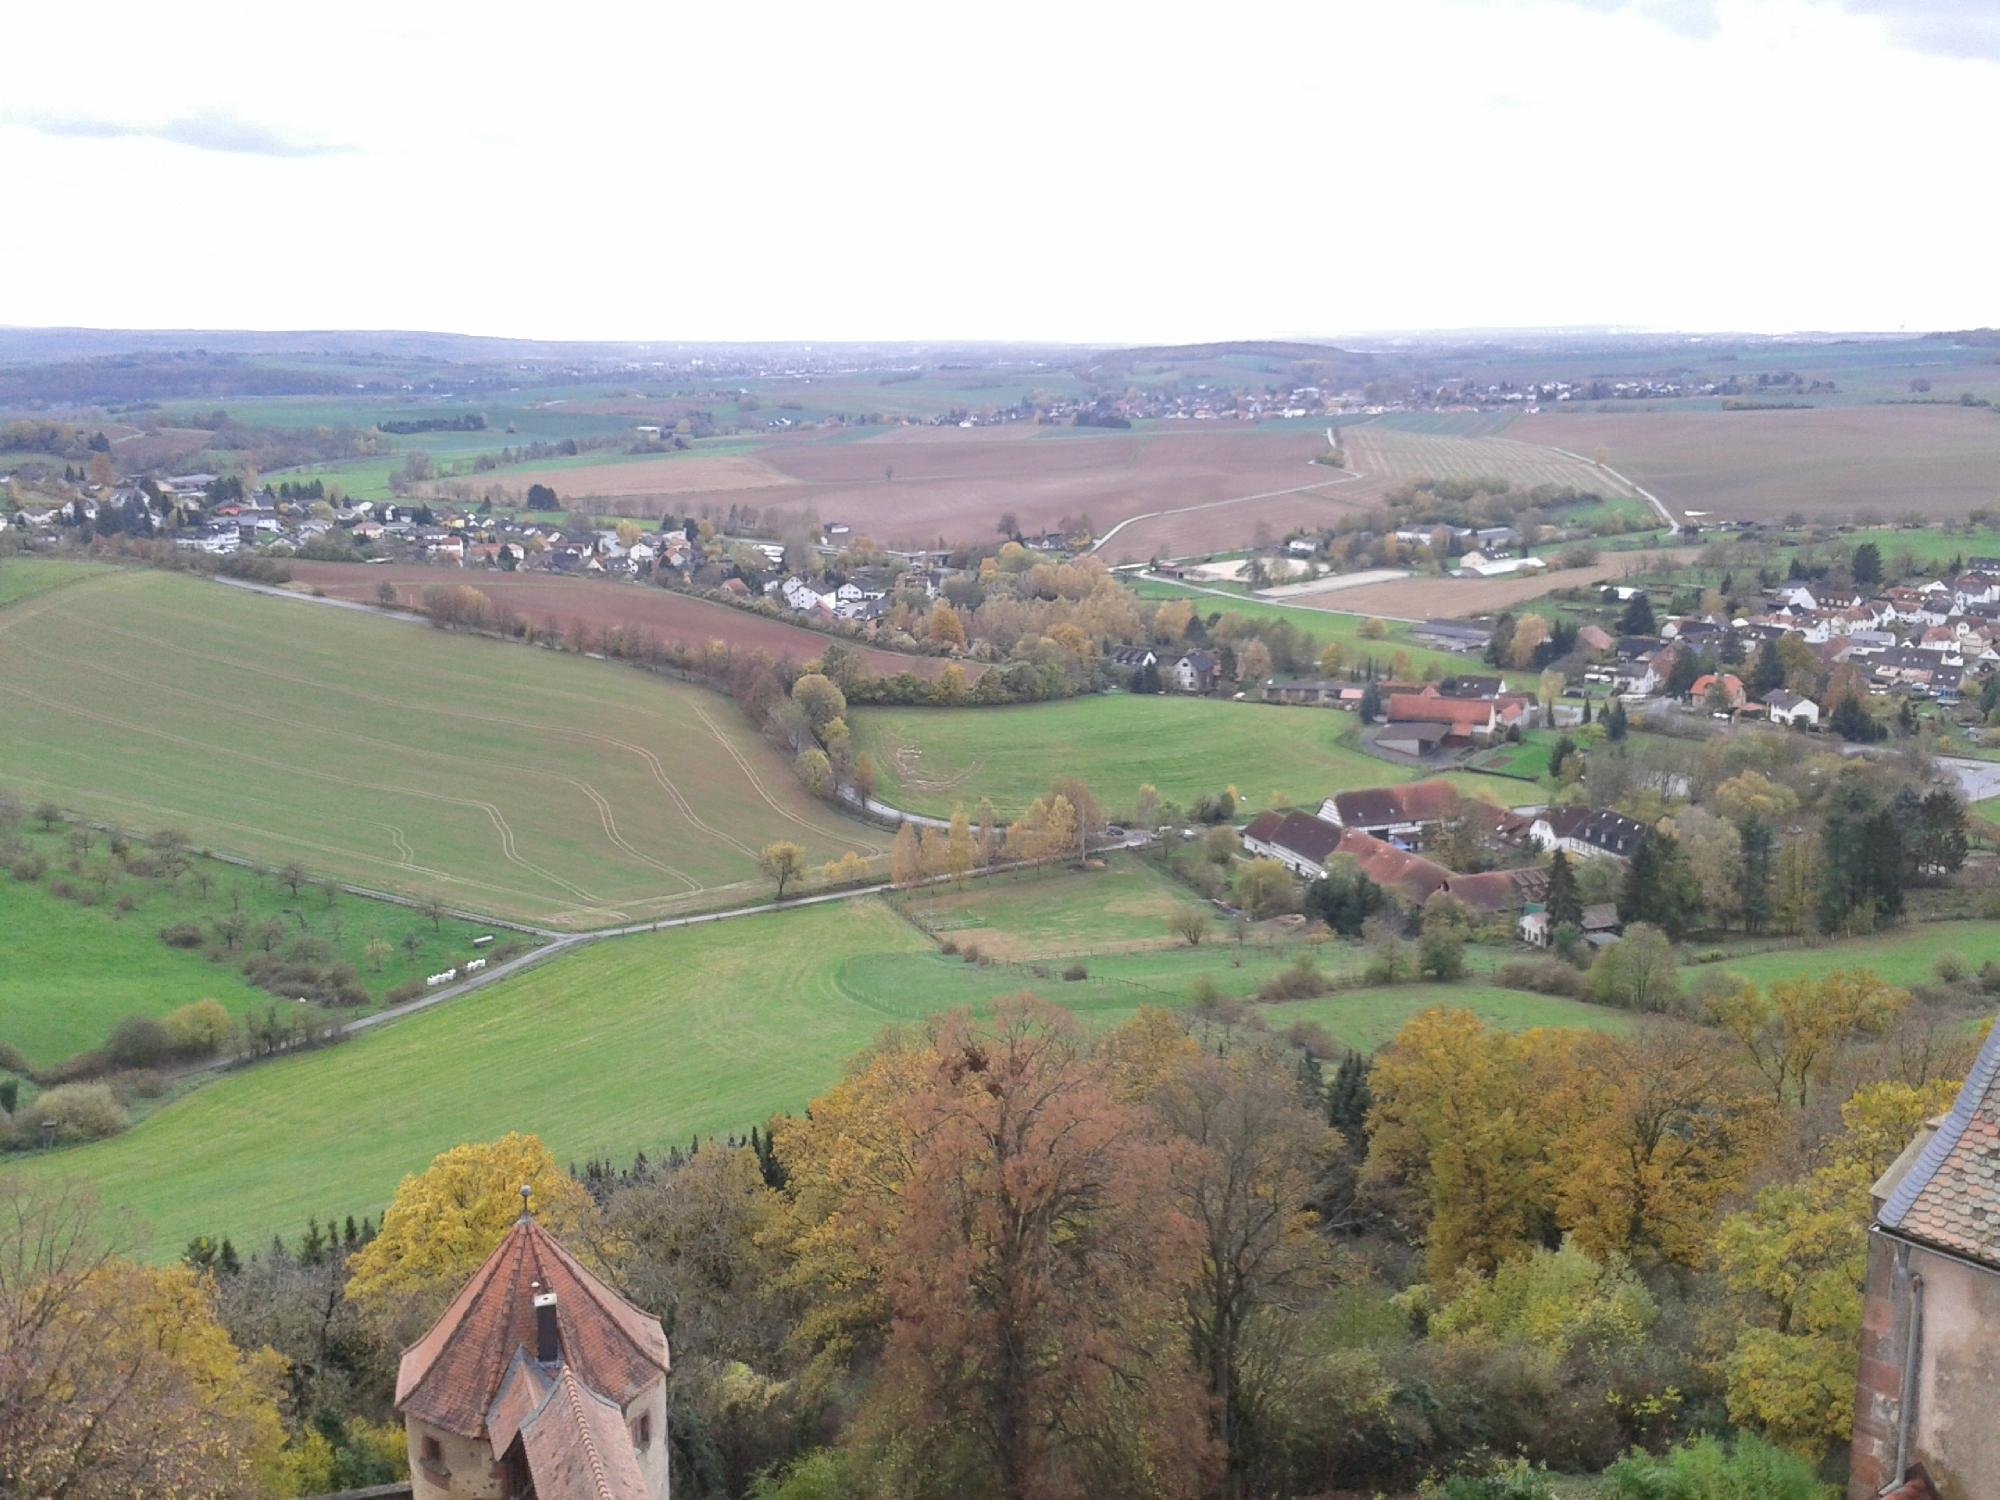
1397	871
1460	713
578	1449
451	1375
1499	890
523	1389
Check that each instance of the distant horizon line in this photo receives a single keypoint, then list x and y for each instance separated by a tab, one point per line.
1332	339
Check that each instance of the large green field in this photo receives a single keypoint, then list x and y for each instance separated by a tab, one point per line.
933	759
21	577
639	1042
1902	955
69	972
1370	1018
1124	908
499	778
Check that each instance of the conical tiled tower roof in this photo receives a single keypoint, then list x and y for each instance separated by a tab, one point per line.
450	1376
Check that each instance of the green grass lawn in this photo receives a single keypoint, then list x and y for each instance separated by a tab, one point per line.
931	760
1529	760
500	778
1902	955
69	972
1052	913
1370	1018
22	576
640	1042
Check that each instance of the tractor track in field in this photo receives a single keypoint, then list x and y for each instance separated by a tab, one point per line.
755	781
682	803
493	813
174	814
679	798
597	799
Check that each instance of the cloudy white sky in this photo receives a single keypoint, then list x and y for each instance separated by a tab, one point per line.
1086	172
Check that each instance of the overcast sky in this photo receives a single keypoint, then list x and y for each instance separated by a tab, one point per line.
1086	172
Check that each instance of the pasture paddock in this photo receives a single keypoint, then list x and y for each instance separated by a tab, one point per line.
496	777
629	1044
1056	913
931	760
1367	1019
70	971
1900	955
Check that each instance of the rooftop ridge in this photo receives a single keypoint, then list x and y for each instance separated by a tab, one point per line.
1979	1081
599	1478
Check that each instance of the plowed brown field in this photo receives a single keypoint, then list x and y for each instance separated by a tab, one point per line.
1824	462
603	604
1450	598
912	486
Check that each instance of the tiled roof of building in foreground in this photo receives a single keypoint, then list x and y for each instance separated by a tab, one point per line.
1950	1197
1459	713
451	1375
576	1445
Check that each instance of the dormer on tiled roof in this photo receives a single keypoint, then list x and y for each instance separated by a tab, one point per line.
452	1375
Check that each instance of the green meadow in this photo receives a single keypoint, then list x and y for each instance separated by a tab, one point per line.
493	776
21	577
931	760
1902	955
72	967
1367	1019
638	1042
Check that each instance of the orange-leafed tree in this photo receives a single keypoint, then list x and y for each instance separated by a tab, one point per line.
1248	1184
1459	1137
1657	1130
1013	1221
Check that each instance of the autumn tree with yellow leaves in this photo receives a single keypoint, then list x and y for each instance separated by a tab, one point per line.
117	1378
445	1220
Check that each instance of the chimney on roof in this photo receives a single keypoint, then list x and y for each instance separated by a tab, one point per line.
548	1337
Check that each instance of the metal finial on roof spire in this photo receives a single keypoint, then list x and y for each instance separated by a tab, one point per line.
526	1189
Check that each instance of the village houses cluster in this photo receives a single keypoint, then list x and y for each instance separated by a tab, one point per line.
1386	831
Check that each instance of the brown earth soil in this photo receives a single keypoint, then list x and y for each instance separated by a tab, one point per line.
912	486
1423	598
1824	462
665	477
602	604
